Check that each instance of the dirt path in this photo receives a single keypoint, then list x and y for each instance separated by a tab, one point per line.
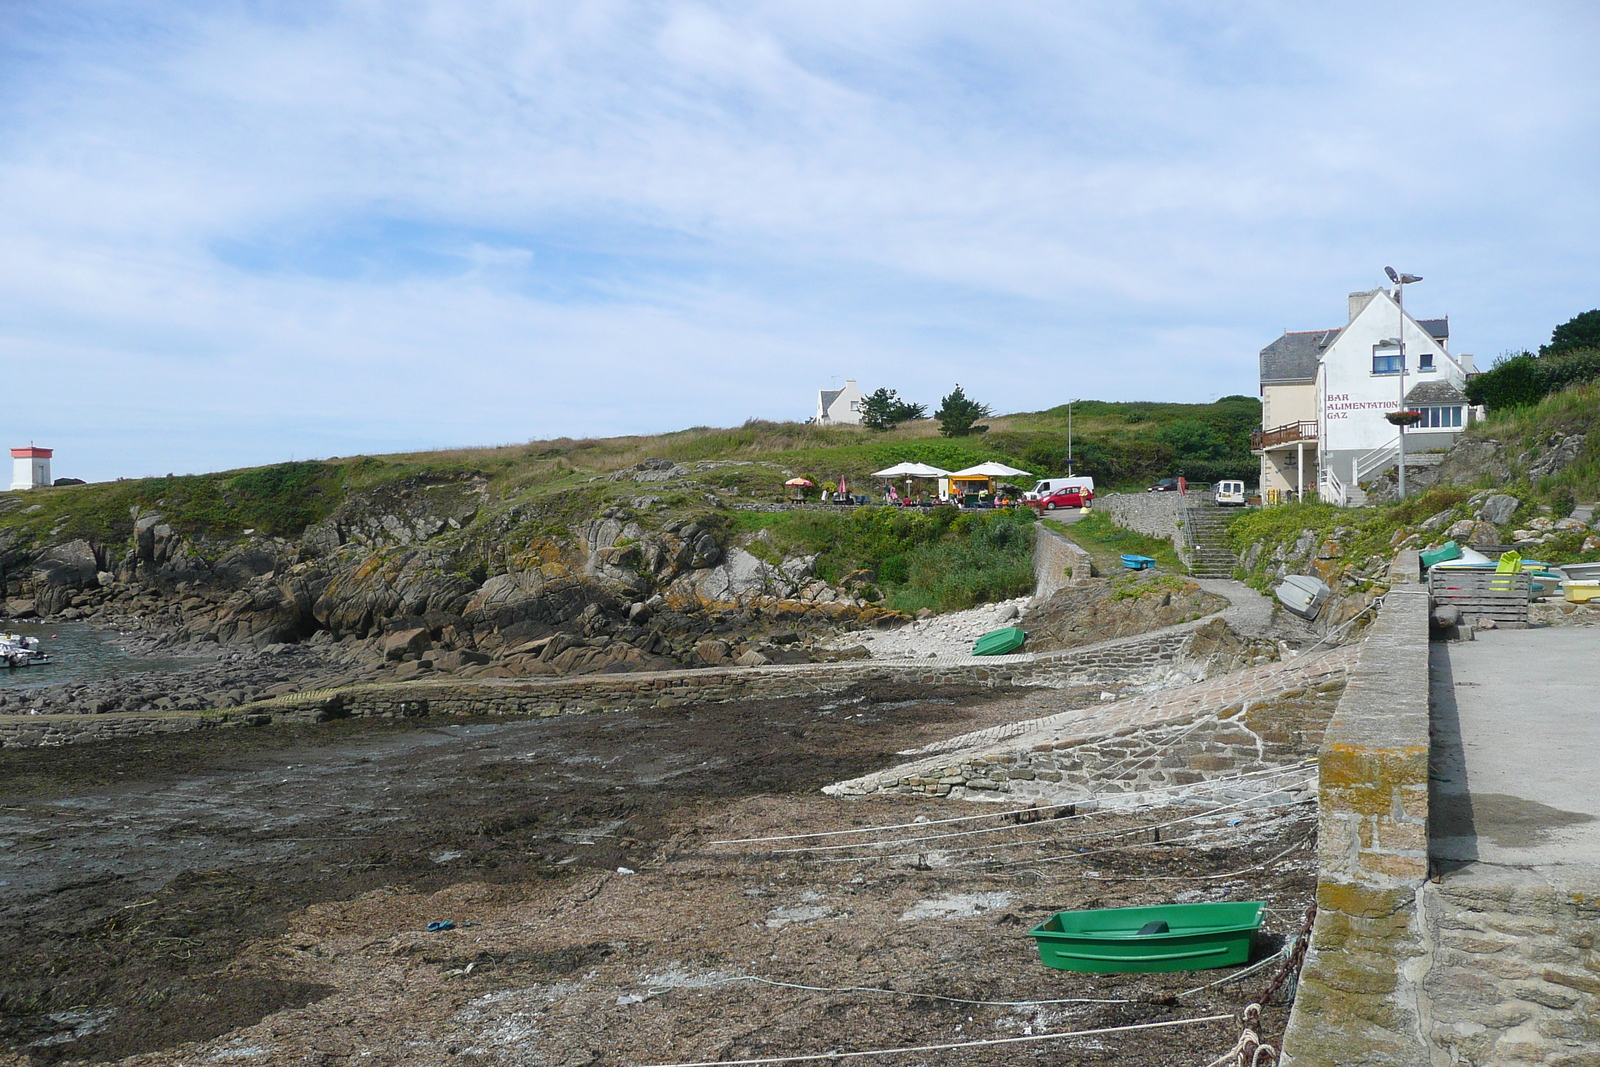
262	896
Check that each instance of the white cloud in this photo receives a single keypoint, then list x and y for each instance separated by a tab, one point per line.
239	232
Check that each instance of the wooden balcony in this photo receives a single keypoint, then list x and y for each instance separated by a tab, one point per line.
1286	434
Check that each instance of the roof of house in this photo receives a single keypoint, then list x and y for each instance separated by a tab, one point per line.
1435	392
1293	357
828	396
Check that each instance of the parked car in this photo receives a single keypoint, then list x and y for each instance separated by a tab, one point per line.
1063	498
1165	485
1229	494
1050	485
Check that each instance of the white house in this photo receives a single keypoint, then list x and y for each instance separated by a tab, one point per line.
839	407
30	467
1324	394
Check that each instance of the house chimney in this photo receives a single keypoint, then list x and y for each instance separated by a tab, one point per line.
1359	301
1468	362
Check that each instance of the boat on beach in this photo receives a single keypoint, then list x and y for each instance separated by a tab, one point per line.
19	651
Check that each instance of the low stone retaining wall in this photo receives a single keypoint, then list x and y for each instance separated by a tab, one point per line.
1133	660
44	731
1359	994
1152	514
1057	562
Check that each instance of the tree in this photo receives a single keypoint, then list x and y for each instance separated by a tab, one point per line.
958	413
884	410
1580	331
1513	382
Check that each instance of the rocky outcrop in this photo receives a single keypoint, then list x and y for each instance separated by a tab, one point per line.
507	591
1101	609
1479	461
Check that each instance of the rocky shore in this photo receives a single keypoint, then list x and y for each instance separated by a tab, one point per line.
421	577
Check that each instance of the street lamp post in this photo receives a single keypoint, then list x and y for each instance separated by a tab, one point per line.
1070	471
1400	282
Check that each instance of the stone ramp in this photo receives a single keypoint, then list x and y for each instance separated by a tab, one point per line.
1248	720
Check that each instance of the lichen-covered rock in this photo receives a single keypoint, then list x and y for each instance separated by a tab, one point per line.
1498	509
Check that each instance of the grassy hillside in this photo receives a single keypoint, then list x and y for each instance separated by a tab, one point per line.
1118	443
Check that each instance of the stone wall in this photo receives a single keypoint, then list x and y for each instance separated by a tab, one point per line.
46	731
1515	976
1359	995
1152	514
1134	660
1057	562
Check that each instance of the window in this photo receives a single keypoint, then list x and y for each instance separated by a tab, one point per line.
1386	361
1425	361
1442	418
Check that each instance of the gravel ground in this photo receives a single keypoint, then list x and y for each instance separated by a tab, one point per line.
939	636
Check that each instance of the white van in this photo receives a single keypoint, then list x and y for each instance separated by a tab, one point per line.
1053	485
1229	494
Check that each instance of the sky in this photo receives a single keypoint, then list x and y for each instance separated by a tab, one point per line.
240	232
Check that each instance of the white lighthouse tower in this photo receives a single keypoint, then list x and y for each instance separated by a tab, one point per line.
30	467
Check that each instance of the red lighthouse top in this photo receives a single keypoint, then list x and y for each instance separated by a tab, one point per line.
32	453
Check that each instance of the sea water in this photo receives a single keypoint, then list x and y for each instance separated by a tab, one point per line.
79	653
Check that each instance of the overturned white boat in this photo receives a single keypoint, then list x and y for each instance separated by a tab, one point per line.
1303	595
19	651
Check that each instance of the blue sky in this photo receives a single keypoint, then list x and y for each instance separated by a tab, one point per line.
234	233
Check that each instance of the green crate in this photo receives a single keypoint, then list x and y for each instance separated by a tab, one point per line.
1109	941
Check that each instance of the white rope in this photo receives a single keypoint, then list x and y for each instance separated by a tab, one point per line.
657	990
1092	835
1209	877
1042	824
1008	812
1121	848
814	1056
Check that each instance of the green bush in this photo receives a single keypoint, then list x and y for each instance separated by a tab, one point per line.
983	558
1525	379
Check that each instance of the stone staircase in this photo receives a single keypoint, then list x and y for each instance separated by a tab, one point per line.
1206	532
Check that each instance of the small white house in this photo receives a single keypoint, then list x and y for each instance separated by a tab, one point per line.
1324	394
839	407
30	467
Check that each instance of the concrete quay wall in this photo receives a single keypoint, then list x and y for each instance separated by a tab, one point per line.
1359	999
1515	972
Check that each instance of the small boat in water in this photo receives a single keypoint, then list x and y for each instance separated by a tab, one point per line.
19	651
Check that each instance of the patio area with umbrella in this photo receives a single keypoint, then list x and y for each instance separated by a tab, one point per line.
910	471
980	479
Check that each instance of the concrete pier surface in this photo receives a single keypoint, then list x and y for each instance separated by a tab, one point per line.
1516	753
1512	923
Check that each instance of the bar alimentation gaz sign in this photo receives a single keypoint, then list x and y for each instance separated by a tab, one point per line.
1339	405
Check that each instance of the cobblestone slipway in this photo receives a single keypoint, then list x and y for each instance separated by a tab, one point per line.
1250	720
